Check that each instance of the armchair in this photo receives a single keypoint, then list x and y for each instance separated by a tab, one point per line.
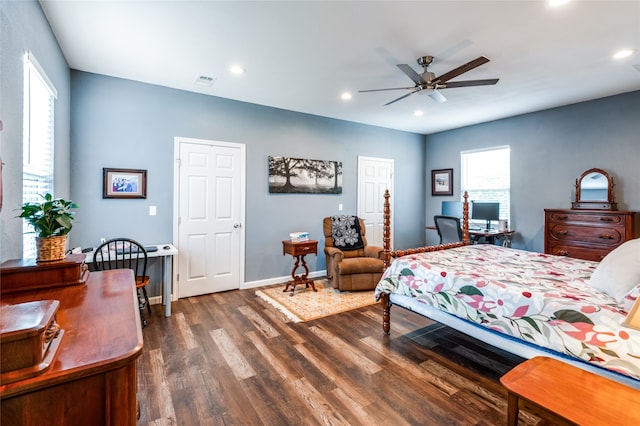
349	270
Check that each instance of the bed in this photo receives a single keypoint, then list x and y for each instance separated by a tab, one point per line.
526	303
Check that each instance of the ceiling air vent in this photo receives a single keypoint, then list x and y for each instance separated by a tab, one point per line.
204	80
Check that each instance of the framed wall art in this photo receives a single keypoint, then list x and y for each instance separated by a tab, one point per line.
442	182
124	183
298	175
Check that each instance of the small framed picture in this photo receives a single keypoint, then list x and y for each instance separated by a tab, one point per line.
124	183
442	182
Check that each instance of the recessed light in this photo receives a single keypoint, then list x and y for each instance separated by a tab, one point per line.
556	3
418	113
346	96
237	69
622	53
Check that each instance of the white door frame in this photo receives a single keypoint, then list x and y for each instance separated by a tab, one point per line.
391	189
177	140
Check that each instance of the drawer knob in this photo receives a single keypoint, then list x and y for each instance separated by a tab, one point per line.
606	237
562	253
563	217
606	219
565	232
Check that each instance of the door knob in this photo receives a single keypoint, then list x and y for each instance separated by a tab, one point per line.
236	225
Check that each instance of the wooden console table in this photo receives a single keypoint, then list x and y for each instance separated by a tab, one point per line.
93	377
298	250
565	394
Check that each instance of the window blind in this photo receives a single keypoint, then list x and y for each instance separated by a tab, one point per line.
38	142
486	176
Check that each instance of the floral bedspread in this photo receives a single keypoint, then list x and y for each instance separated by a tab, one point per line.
539	298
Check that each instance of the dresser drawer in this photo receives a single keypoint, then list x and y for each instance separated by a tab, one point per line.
608	236
579	217
578	252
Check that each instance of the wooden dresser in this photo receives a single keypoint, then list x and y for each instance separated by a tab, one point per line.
586	234
92	379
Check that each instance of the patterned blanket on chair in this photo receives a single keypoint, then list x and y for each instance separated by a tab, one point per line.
346	232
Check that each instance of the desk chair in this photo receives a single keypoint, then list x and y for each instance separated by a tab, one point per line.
125	253
448	228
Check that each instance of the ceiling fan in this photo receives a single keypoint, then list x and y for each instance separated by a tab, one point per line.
429	82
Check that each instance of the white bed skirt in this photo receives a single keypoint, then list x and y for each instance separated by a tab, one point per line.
507	343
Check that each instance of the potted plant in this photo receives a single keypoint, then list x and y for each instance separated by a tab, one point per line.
52	219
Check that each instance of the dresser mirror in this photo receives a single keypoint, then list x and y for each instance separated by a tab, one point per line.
594	191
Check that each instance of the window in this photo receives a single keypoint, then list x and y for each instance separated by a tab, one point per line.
486	177
37	163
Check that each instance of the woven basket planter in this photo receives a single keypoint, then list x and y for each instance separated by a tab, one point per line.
51	249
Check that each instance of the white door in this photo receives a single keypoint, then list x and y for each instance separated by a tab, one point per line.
210	206
375	175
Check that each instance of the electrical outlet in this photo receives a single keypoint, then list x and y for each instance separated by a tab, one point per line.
152	210
340	207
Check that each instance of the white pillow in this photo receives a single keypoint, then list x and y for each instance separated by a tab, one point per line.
629	299
619	271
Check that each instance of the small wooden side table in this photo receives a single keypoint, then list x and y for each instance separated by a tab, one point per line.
565	394
298	250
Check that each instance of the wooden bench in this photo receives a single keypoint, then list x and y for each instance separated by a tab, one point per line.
565	394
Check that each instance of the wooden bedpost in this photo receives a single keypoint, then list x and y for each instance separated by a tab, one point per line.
386	312
386	243
465	218
386	230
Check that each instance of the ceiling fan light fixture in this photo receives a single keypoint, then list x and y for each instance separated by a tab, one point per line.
623	53
346	96
418	113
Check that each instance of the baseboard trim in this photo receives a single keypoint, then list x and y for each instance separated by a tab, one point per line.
157	300
277	280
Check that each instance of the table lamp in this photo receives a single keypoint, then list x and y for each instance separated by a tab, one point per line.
633	319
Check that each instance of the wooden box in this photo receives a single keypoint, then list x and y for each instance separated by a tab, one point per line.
26	274
29	339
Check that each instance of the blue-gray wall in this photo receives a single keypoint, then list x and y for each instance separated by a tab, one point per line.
120	123
126	124
549	150
23	28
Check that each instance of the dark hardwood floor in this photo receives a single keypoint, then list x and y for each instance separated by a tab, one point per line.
231	359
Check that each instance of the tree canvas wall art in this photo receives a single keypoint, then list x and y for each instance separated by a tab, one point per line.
302	176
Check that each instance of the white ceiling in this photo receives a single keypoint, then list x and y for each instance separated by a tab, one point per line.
301	55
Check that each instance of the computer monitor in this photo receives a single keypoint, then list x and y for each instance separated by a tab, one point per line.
452	208
485	211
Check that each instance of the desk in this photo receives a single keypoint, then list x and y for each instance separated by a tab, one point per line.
93	377
167	271
489	236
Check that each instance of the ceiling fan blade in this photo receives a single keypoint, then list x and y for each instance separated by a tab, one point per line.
437	96
410	72
461	70
400	98
381	90
468	83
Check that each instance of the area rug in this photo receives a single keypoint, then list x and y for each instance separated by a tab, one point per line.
307	305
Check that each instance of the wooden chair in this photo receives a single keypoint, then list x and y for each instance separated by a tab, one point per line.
125	253
448	228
